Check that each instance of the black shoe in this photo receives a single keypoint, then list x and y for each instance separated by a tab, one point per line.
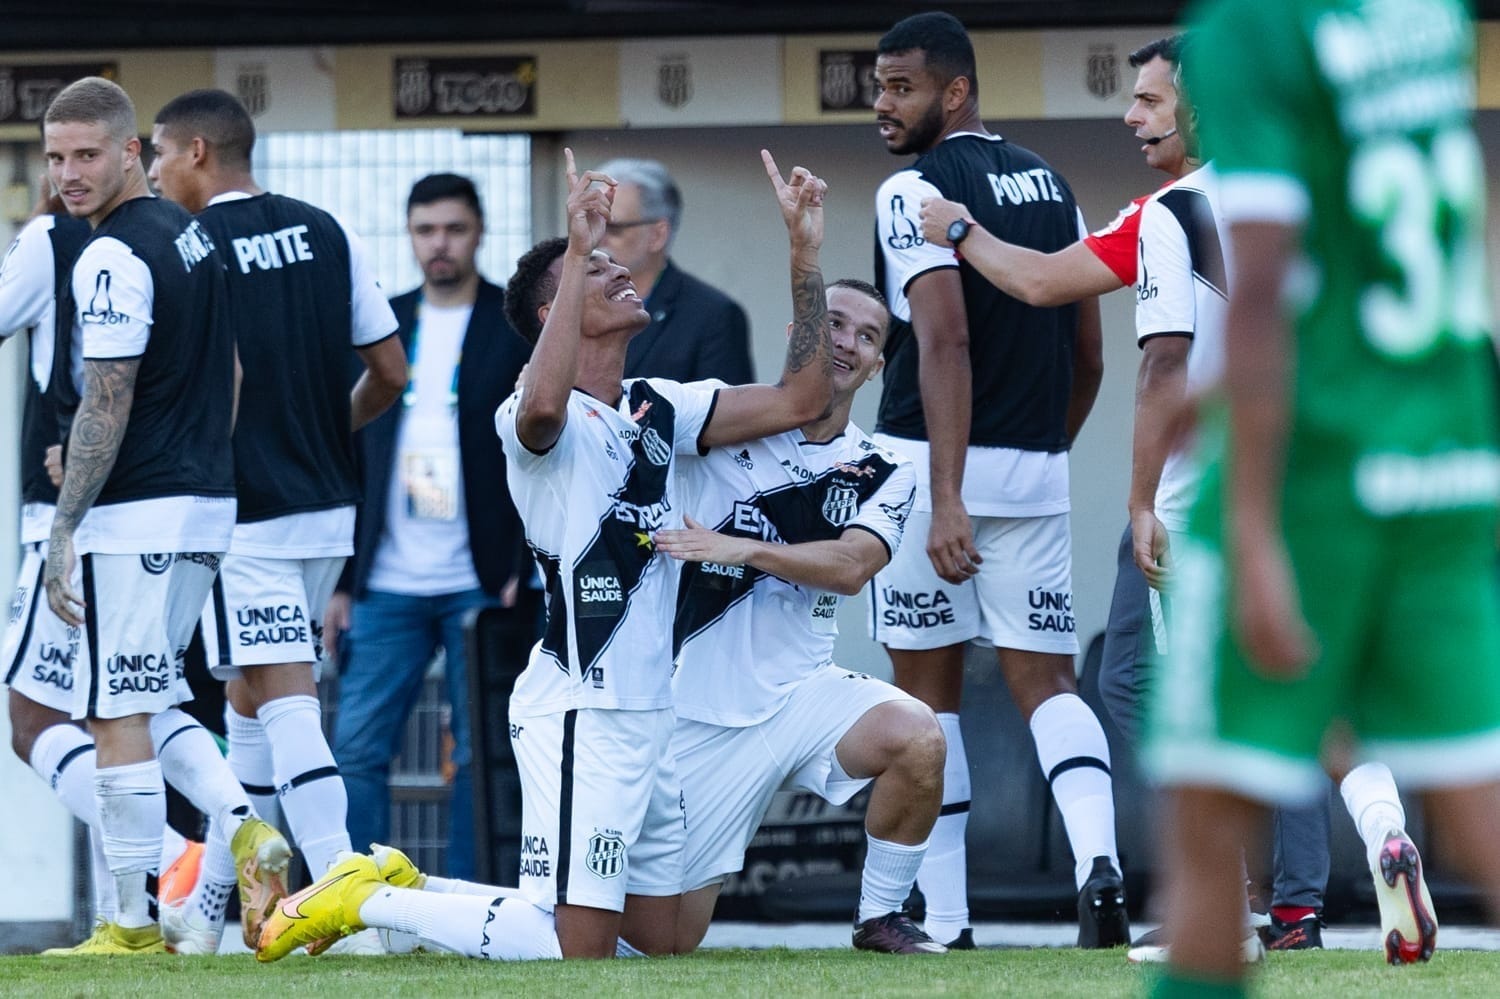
1102	921
1304	934
964	940
893	933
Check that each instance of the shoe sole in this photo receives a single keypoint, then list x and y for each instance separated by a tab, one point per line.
266	871
1405	906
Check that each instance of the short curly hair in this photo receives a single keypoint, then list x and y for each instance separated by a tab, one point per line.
532	286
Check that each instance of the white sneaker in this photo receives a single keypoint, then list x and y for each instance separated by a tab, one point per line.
364	943
1251	951
182	936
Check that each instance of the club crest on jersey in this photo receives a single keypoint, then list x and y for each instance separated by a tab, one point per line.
606	856
657	451
839	504
18	604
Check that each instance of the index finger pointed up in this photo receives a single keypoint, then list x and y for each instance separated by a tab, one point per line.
772	170
572	168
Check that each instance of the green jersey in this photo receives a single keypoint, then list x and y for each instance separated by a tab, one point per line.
1352	118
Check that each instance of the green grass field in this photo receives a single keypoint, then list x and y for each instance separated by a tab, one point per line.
723	973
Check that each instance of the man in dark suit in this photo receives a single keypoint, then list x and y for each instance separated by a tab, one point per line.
437	536
696	330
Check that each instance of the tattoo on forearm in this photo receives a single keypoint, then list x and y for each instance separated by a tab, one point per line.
809	343
94	441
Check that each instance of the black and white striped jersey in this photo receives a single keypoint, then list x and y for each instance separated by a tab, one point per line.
590	506
745	638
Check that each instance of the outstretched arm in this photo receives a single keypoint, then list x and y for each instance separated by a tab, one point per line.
93	446
1033	277
805	390
553	369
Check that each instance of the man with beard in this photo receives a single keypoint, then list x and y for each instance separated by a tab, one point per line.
987	417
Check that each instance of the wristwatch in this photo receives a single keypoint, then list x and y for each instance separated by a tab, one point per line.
958	230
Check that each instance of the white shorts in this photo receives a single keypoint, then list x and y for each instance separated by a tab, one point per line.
729	775
266	612
1022	597
40	648
602	811
139	617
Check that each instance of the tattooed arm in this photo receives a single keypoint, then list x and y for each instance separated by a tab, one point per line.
805	390
93	445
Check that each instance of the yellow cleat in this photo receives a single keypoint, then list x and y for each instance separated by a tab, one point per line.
396	869
112	939
261	860
325	910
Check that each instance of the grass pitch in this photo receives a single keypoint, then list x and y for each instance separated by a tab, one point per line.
783	974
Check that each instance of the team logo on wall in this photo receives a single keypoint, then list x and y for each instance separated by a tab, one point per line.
1103	77
846	80
156	564
413	87
674	80
606	856
252	86
656	449
839	504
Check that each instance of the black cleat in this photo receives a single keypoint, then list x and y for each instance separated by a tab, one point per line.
1102	921
1303	934
964	940
893	933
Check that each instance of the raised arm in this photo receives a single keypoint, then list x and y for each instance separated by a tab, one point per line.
93	446
843	565
553	370
1033	277
805	390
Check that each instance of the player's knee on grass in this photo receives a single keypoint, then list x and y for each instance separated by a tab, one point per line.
693	918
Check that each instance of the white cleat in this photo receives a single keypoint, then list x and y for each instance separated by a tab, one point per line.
183	936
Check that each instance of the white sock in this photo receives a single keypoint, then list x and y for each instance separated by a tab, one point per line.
132	811
106	902
1074	755
216	880
890	869
1370	794
944	874
313	798
496	929
250	761
191	760
63	756
458	886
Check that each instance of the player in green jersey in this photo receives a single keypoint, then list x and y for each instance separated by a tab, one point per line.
1339	569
